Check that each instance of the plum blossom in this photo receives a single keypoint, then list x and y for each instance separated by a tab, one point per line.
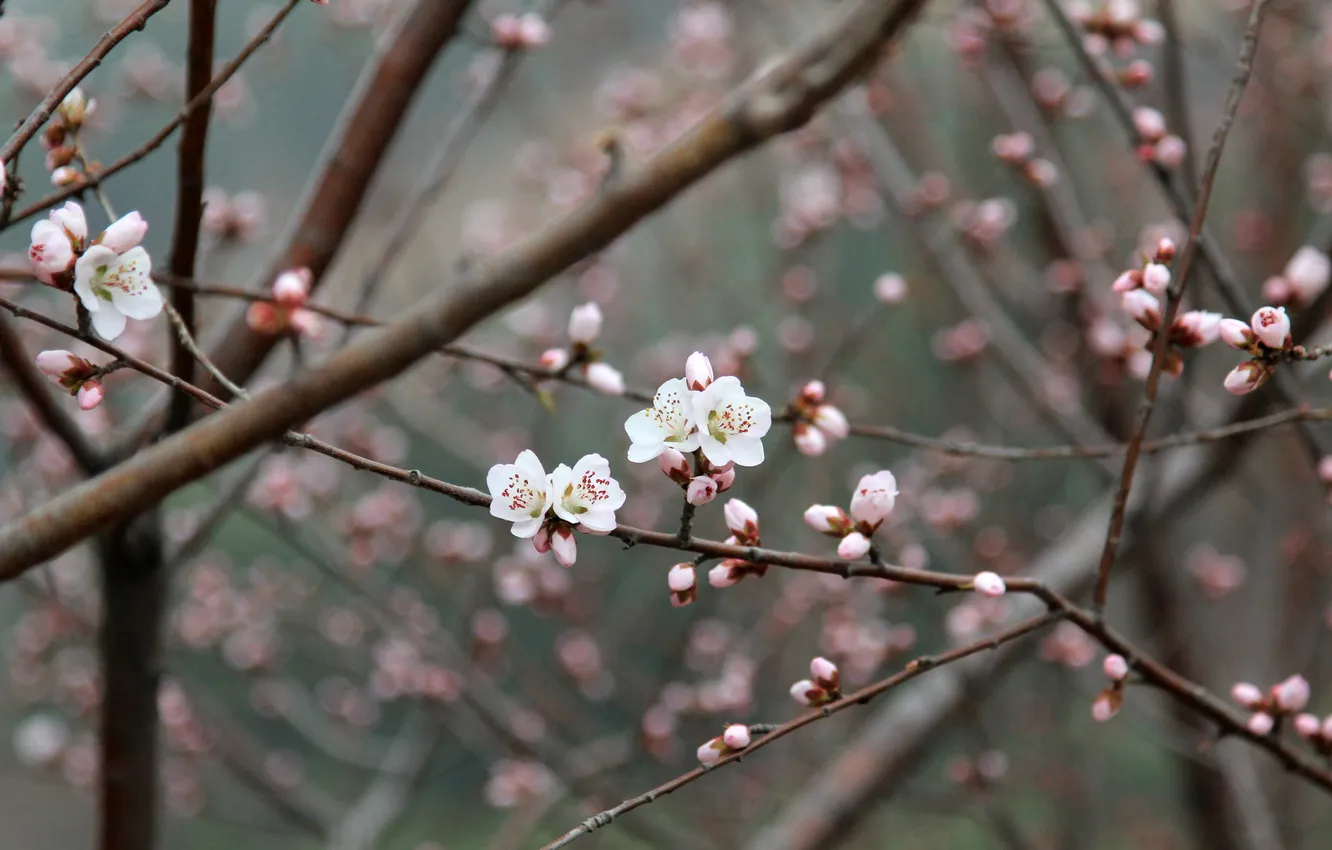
699	412
989	584
587	495
520	493
286	312
702	489
743	521
56	243
114	287
585	324
1116	668
731	425
1272	327
66	369
853	546
1247	377
1237	334
668	424
683	584
1308	273
890	288
873	499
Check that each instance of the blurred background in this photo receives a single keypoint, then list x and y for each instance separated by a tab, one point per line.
345	651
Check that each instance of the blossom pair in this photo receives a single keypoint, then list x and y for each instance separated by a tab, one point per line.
111	275
698	412
75	374
1265	334
548	508
871	504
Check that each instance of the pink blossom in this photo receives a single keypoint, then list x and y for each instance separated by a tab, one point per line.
1291	694
724	478
1143	307
989	584
698	371
90	395
813	392
585	324
1309	272
1105	706
563	544
1149	123
1196	328
824	672
736	736
807	693
1246	694
809	441
722	576
711	752
873	499
675	466
63	367
1260	723
853	546
702	490
1170	151
682	583
1325	469
1116	668
1272	326
1127	281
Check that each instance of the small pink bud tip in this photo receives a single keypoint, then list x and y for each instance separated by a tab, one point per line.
1165	250
853	546
554	359
809	441
823	671
1143	307
292	288
806	692
1246	694
1247	377
698	371
890	288
736	736
1156	278
1291	694
1260	723
721	576
710	753
702	490
681	578
90	395
1307	726
827	519
54	364
1105	706
989	584
1116	668
813	392
1128	281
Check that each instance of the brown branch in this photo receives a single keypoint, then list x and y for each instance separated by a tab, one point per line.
132	22
778	101
189	197
860	697
1180	275
35	388
94	181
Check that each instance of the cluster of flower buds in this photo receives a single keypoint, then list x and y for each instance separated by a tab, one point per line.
1318	733
871	504
1107	702
733	740
1285	698
111	274
1018	149
584	327
1116	25
547	508
701	481
743	521
1265	336
817	424
1304	279
1141	289
75	374
519	32
823	685
234	217
984	223
1165	149
60	138
286	313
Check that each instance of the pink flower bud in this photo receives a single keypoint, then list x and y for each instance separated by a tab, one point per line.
1014	147
681	578
722	576
1148	32
604	378
742	520
1116	668
809	441
736	736
1106	705
675	465
1170	152
57	364
1247	377
989	584
698	371
710	753
1042	172
1307	726
90	395
565	547
292	288
853	546
827	519
1143	307
585	323
1272	326
123	234
1260	723
50	252
825	673
1155	278
1196	328
701	490
1128	281
890	288
1165	250
807	693
1247	695
533	30
813	392
831	421
874	497
725	478
64	176
1291	694
1309	272
1236	334
1149	123
554	359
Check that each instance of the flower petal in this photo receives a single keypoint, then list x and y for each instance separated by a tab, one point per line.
131	285
109	323
745	451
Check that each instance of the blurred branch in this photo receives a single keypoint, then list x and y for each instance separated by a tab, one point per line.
1176	90
860	697
1174	294
94	181
132	22
34	387
189	198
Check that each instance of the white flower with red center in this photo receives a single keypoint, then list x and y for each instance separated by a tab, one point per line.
667	424
587	495
731	424
520	493
115	287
